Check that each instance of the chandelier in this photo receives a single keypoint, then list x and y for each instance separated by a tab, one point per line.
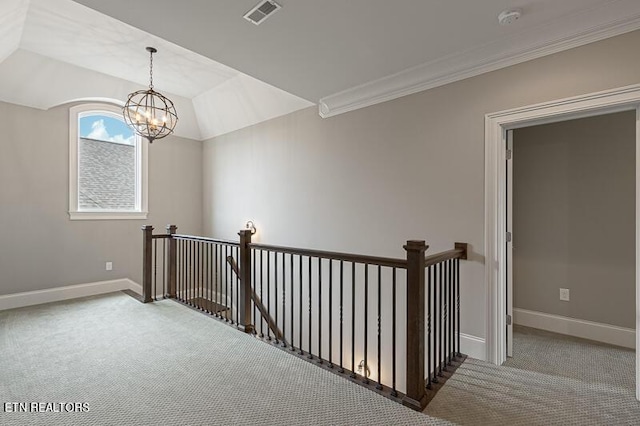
149	113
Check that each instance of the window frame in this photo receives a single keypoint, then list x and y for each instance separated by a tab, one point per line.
142	178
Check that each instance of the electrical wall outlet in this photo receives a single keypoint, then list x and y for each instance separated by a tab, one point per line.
108	266
564	294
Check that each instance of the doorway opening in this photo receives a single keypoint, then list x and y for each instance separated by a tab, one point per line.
570	255
497	129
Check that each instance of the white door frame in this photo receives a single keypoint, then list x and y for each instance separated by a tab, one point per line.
496	125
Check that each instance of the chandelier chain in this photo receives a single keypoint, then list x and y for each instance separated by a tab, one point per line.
150	70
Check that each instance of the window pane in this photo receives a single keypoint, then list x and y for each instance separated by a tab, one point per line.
107	164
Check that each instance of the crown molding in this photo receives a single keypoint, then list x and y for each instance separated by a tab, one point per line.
562	34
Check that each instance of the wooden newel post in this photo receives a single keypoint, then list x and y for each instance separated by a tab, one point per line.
244	301
415	397
172	270
147	262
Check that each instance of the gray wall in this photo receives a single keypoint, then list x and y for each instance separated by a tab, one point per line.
368	180
39	246
574	218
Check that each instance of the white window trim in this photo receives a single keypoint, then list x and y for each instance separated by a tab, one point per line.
142	151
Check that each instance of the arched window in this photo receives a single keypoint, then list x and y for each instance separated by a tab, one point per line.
107	165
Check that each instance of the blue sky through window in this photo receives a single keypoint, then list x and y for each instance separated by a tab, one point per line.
106	128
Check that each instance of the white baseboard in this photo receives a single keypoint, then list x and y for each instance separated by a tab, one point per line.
599	332
473	346
28	298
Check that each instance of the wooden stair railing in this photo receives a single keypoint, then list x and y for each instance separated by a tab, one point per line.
326	318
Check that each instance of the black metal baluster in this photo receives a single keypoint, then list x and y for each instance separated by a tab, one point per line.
310	354
190	274
436	322
183	291
446	315
232	286
275	295
222	264
450	310
212	276
234	293
253	289
226	284
164	269
261	294
182	268
212	269
233	278
205	289
394	392
379	385
330	313
341	312
229	284
237	289
221	294
179	269
155	268
203	281
178	276
291	298
216	281
300	303
429	271
440	325
458	303
319	310
268	295
454	348
366	322
205	276
194	272
194	294
275	279
199	276
353	320
194	275
284	298
219	281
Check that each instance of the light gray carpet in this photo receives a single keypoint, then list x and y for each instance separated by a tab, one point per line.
571	357
551	380
164	364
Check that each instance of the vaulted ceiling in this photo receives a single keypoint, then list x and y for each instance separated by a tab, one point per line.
225	73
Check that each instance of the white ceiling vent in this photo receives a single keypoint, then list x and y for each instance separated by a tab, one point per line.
262	11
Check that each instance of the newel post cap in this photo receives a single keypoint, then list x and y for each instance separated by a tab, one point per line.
416	245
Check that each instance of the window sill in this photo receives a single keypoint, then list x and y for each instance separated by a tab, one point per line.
87	215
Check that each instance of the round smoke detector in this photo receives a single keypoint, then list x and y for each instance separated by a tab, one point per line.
509	16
